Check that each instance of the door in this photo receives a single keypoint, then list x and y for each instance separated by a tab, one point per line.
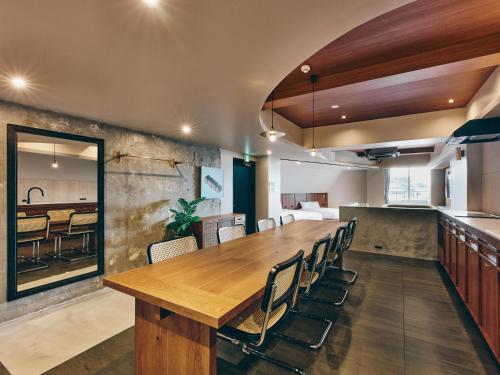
244	191
473	280
489	303
462	266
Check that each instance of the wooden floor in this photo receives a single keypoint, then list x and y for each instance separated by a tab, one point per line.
401	317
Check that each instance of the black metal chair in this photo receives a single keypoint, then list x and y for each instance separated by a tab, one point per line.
344	245
287	219
314	271
266	224
80	224
248	330
164	250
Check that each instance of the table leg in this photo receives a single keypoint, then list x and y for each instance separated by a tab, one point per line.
171	344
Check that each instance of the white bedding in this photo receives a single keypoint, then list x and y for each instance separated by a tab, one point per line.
302	214
326	213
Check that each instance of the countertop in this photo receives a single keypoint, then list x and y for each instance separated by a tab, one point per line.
488	226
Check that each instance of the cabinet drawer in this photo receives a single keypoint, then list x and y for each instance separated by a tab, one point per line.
239	220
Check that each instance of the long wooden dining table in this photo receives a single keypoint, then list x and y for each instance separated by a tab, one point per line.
180	303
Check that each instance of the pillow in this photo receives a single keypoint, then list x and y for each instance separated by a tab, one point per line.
309	205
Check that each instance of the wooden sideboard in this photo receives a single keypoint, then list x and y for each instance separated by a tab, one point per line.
205	230
471	259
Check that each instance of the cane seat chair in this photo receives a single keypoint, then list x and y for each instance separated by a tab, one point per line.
21	214
60	215
266	224
226	234
80	224
248	330
31	229
343	246
164	250
287	219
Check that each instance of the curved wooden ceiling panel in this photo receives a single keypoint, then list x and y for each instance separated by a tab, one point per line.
410	60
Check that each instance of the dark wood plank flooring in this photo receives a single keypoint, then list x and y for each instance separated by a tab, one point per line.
401	317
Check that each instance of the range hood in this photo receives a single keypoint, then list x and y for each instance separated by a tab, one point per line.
476	131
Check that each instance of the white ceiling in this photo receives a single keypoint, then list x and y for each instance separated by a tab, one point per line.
210	64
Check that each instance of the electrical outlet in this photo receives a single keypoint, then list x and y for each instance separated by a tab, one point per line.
378	246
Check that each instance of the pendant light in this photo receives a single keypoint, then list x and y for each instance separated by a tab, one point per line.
313	78
272	134
55	164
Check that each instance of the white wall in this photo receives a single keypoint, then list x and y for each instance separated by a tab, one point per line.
343	186
375	182
491	178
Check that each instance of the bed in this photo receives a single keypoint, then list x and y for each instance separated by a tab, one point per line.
309	205
302	214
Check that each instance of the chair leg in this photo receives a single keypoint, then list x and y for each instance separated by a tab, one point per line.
295	340
251	351
327	301
351	272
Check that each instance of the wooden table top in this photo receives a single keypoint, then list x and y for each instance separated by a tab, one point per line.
213	285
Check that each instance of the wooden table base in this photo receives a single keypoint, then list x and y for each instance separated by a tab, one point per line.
170	344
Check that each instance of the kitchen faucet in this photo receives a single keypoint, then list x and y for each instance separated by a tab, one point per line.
28	199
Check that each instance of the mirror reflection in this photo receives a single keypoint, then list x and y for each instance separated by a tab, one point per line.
57	189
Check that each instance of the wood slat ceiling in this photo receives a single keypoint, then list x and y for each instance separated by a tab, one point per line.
410	60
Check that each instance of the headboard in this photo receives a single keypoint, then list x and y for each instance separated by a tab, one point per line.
290	201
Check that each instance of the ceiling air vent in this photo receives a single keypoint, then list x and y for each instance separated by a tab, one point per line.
377	154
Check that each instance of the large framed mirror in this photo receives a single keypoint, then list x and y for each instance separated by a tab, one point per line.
55	209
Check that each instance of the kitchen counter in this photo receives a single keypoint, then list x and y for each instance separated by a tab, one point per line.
489	227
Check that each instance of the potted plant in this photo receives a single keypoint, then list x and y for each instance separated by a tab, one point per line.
183	219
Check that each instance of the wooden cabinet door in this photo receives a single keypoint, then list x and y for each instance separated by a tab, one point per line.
453	258
473	280
446	249
489	303
440	249
462	267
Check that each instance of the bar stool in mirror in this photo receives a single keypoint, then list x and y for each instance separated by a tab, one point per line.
266	224
226	234
58	219
31	229
80	224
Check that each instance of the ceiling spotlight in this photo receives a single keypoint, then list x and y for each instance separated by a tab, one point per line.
335	106
151	3
18	82
344	117
305	68
186	129
451	101
312	152
269	152
298	162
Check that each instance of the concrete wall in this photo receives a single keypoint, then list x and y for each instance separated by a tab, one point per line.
491	177
138	195
342	185
404	232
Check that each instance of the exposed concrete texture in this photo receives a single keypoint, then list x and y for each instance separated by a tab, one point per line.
403	232
138	195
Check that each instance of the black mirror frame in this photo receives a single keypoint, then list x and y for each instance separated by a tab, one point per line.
12	131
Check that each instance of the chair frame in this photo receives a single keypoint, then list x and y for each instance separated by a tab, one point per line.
150	248
346	244
231	226
247	343
262	220
281	219
85	251
36	245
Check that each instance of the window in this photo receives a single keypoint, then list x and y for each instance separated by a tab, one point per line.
409	185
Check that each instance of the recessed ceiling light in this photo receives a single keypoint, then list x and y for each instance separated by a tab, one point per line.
269	152
186	129
151	3
451	100
305	68
335	106
344	117
19	82
298	162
